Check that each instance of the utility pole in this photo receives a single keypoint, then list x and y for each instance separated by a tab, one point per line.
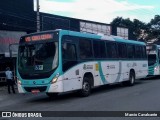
38	17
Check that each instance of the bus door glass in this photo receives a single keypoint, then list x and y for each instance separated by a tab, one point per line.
151	59
69	55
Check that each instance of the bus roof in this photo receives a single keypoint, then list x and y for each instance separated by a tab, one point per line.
89	35
102	37
158	46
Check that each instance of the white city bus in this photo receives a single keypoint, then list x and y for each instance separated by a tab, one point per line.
60	61
153	52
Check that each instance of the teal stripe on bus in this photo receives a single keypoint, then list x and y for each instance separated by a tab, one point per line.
101	73
79	34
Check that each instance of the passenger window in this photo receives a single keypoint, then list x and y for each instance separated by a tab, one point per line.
122	50
111	50
130	50
138	52
69	55
99	49
85	48
69	51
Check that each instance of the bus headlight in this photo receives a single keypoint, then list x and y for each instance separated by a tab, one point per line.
55	78
18	81
156	68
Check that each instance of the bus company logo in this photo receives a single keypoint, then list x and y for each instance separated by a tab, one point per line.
111	67
87	67
6	114
144	65
34	82
134	64
84	66
131	65
19	114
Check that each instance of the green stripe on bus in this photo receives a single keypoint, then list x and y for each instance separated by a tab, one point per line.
101	73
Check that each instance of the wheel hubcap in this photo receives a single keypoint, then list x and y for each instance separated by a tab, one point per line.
132	80
86	87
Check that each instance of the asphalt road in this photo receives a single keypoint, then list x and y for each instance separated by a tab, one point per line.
143	96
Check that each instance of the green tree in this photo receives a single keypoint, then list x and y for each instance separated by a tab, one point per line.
121	22
137	27
154	29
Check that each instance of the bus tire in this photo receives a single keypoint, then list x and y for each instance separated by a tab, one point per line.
52	95
131	79
86	87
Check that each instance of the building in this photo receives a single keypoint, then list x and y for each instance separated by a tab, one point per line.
17	18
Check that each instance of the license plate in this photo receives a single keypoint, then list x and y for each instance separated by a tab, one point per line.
35	91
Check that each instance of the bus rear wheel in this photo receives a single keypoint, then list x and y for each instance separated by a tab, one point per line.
131	79
86	87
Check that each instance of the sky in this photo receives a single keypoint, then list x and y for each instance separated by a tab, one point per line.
102	10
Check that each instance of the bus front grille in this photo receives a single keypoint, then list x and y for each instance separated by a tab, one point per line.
40	88
151	70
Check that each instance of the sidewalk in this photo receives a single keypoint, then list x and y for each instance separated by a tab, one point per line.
4	96
4	91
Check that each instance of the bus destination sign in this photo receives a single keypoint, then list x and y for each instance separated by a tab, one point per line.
38	37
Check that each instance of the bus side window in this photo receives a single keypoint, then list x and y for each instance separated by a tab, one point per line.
138	52
122	52
69	51
111	50
69	55
99	49
130	51
85	48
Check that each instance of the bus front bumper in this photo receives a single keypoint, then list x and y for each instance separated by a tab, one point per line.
50	88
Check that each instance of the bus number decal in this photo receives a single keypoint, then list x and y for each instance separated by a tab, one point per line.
39	67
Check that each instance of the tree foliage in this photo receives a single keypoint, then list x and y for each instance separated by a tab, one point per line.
141	30
154	28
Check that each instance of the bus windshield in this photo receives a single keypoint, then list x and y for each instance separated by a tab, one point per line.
151	59
37	58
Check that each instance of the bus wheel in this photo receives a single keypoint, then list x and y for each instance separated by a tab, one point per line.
52	95
131	79
86	87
